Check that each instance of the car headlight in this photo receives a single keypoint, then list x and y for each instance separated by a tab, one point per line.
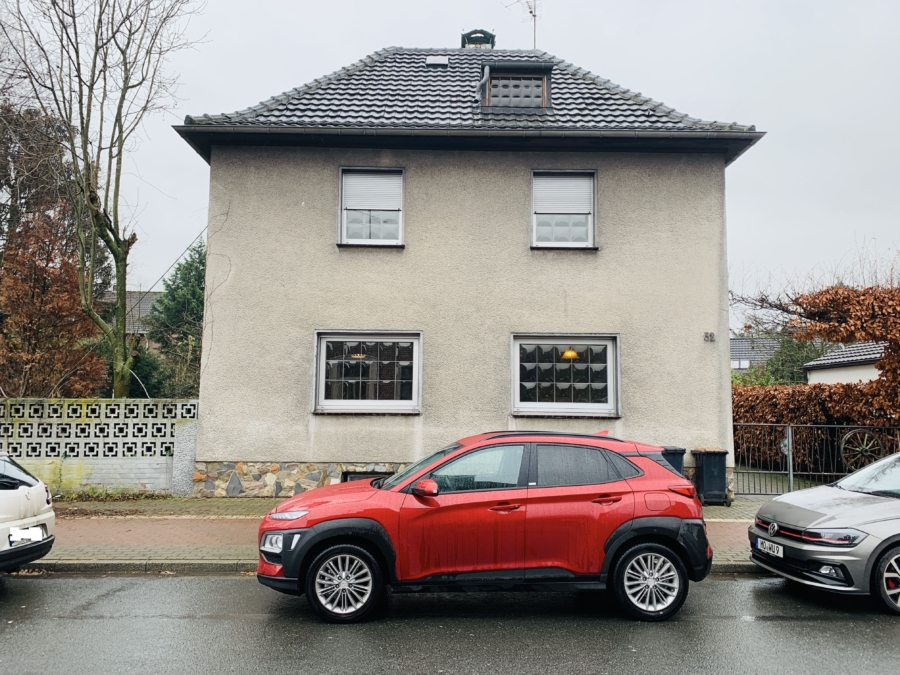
287	515
843	536
272	542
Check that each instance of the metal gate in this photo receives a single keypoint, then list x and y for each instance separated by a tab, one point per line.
771	459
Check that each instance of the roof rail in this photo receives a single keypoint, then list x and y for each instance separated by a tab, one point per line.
556	433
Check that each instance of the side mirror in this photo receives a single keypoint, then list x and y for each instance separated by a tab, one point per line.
425	488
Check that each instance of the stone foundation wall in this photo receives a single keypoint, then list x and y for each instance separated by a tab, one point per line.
274	479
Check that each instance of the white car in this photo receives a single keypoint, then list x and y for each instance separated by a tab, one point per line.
26	516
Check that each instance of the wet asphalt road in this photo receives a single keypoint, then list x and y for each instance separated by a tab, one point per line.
232	624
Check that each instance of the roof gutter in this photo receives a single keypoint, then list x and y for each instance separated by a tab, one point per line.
193	132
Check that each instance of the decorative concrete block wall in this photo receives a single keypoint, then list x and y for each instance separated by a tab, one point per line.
132	444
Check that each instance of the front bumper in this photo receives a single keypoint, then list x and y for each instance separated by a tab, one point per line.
280	584
13	558
802	561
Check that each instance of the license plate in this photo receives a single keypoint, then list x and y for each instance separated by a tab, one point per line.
24	535
768	547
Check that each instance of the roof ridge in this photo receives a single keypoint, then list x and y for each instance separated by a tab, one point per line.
309	87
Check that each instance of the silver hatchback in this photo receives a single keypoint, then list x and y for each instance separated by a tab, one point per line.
842	537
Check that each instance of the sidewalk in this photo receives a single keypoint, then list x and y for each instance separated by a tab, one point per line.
214	536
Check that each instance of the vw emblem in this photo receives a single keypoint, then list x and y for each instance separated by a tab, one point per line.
773	529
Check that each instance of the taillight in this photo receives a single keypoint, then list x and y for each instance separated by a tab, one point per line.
49	499
685	490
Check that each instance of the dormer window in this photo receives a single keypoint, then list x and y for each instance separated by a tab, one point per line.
515	84
517	91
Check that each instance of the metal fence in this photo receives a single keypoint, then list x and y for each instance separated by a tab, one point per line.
771	459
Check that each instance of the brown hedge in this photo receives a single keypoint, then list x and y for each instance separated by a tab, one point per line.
808	404
842	315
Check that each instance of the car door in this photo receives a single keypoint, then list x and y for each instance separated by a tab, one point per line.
576	500
474	529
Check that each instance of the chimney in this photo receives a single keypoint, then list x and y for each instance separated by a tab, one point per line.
478	39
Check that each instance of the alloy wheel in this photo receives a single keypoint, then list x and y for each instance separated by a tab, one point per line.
651	582
343	583
891	580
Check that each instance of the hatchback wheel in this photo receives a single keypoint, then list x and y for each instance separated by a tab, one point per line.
344	584
887	577
650	582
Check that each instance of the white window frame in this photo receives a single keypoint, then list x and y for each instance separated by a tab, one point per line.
323	405
342	213
539	409
592	235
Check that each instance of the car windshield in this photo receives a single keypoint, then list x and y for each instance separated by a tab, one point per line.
881	478
10	470
412	470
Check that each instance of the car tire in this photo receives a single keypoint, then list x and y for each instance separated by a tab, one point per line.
887	579
650	582
344	584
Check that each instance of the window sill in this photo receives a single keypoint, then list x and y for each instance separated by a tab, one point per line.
589	415
345	245
538	247
401	412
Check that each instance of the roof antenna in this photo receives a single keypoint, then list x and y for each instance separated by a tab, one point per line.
531	11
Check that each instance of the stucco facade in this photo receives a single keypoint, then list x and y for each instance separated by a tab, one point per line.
468	280
850	374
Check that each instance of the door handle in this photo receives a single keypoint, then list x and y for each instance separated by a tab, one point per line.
607	499
505	508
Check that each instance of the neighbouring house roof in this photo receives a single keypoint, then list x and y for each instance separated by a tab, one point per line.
840	356
756	350
394	93
139	303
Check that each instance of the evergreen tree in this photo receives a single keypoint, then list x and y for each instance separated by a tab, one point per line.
176	323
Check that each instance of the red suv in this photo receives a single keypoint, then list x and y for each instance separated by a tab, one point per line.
498	511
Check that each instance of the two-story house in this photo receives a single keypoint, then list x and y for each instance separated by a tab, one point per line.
432	243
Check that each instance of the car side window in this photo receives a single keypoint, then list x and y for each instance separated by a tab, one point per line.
624	468
561	465
493	468
12	475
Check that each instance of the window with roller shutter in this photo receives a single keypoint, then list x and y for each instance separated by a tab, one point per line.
563	210
372	207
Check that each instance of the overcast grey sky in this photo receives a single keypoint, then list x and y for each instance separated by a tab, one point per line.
820	76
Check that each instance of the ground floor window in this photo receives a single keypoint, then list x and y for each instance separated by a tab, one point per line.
564	375
368	372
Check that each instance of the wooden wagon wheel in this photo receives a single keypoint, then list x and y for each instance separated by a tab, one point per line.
860	448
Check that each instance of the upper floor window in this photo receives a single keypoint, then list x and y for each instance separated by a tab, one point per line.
564	376
518	91
563	206
372	207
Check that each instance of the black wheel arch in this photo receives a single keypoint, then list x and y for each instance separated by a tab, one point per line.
686	538
366	533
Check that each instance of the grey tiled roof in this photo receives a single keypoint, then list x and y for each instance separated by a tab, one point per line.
394	89
139	303
753	349
848	355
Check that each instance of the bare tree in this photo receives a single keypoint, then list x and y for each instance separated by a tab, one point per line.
99	66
